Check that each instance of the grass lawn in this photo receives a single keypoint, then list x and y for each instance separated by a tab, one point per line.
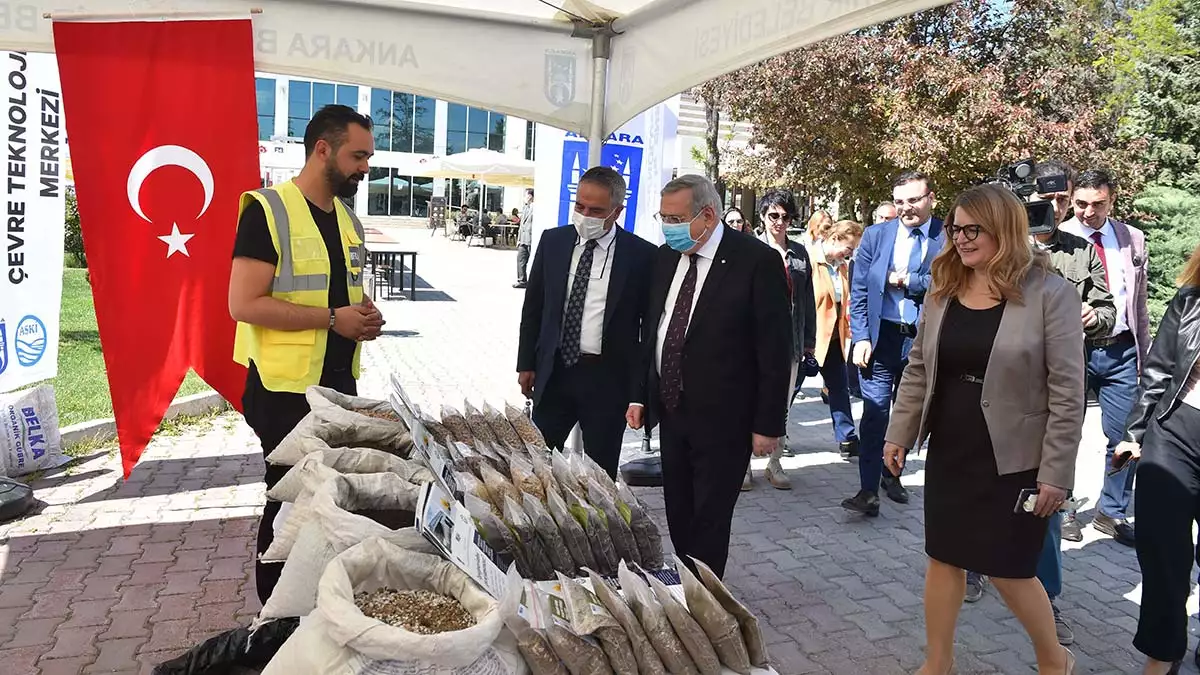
81	387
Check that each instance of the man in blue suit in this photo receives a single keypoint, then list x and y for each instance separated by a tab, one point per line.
891	275
579	356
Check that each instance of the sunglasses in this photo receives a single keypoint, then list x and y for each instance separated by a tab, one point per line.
969	232
780	216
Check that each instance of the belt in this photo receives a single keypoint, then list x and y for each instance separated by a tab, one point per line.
584	358
905	329
1124	337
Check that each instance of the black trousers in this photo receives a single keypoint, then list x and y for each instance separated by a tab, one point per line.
702	479
592	395
272	415
1168	502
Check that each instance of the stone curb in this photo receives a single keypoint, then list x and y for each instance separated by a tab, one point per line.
106	429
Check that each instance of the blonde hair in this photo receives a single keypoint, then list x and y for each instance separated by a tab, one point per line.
1190	276
819	224
843	230
1003	216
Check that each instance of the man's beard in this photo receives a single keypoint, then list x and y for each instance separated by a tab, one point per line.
342	185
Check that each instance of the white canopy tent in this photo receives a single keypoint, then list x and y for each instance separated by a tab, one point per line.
573	64
487	166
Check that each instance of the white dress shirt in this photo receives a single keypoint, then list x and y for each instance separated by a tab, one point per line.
704	262
591	333
1114	261
904	307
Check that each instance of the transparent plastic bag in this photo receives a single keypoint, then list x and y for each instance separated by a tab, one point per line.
547	531
539	560
480	429
589	617
648	662
456	423
653	620
645	531
618	524
719	625
688	630
526	480
751	633
599	539
518	603
572	531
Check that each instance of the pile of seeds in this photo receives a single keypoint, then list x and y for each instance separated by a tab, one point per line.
421	612
389	416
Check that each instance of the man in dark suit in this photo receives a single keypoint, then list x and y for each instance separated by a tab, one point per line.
717	365
580	353
891	275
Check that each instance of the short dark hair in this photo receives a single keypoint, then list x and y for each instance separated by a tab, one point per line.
1095	179
777	197
911	176
330	124
1054	167
609	178
529	191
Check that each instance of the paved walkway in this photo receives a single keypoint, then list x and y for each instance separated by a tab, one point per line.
113	576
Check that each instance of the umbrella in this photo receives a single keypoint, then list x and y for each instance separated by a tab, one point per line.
485	166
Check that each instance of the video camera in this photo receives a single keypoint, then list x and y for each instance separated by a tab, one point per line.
1018	178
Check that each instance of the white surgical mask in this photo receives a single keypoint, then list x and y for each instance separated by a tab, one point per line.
588	227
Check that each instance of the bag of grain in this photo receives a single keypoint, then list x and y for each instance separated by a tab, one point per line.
524	426
334	461
338	638
339	421
721	627
518	607
654	621
751	633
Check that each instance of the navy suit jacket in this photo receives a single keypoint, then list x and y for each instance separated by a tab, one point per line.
869	280
624	312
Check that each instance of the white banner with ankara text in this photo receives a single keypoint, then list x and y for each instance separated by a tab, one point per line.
34	151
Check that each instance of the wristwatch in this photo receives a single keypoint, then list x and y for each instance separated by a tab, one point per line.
332	318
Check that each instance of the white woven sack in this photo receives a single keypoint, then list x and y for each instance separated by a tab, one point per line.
347	461
333	422
337	639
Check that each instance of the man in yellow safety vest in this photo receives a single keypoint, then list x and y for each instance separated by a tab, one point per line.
296	291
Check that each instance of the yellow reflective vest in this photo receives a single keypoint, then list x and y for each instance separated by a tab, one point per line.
292	360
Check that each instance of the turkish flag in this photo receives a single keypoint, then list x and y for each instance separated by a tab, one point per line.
164	138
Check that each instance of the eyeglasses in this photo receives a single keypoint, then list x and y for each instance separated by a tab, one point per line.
785	217
969	232
663	219
736	221
913	201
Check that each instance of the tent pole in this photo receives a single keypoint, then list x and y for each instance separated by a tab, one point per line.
601	52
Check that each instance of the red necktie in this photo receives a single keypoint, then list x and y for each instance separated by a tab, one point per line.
1098	242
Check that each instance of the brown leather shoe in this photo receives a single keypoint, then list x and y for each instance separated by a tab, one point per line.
777	477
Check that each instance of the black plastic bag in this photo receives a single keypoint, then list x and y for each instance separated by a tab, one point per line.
237	647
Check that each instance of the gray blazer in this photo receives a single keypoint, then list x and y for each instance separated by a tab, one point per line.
525	231
1033	390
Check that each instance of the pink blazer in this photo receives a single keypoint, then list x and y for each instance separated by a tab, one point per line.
1133	249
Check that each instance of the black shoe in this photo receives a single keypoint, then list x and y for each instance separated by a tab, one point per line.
895	491
1117	528
849	449
865	502
1071	530
825	395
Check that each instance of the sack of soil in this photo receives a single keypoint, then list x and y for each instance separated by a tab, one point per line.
590	618
334	461
337	420
645	531
518	607
719	625
334	522
751	633
657	626
648	662
338	638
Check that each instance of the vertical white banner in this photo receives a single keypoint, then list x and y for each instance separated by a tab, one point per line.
642	151
34	152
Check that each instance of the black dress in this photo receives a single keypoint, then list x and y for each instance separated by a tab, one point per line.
969	519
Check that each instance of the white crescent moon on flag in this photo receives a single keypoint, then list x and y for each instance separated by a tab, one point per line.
168	155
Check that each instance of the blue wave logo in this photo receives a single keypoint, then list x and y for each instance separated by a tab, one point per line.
30	340
3	347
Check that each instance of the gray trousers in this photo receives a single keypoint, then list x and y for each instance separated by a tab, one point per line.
522	263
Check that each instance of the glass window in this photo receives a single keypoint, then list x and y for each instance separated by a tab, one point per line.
423	131
456	125
495	200
378	193
401	194
322	95
347	95
456	190
402	122
299	107
477	128
422	190
381	117
264	94
496	131
531	141
472	196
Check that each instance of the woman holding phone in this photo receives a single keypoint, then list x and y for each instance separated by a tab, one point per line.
1163	430
995	380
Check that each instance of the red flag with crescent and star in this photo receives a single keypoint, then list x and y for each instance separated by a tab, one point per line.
163	127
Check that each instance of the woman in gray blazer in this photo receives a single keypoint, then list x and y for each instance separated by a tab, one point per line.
995	381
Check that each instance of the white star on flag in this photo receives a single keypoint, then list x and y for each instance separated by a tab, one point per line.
176	241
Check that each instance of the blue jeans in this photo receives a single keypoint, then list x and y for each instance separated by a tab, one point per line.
879	383
1112	373
833	371
1049	568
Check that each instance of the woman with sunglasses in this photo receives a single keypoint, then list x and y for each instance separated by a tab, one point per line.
1163	430
995	381
736	221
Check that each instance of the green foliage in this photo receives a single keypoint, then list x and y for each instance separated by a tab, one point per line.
73	242
1169	216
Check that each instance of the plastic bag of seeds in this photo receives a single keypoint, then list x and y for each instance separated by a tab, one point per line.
581	654
536	555
561	470
599	539
572	531
547	531
518	607
589	617
618	526
645	531
689	632
648	661
751	633
480	429
526	480
524	426
470	485
437	431
653	620
541	469
489	526
456	423
499	487
493	454
584	467
721	627
502	427
470	458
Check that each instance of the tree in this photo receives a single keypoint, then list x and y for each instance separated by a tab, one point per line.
73	242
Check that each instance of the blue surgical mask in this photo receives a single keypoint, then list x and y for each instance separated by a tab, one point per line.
679	237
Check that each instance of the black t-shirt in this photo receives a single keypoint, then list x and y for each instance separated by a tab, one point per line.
254	241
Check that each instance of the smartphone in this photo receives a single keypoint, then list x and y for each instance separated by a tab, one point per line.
1119	461
1024	497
